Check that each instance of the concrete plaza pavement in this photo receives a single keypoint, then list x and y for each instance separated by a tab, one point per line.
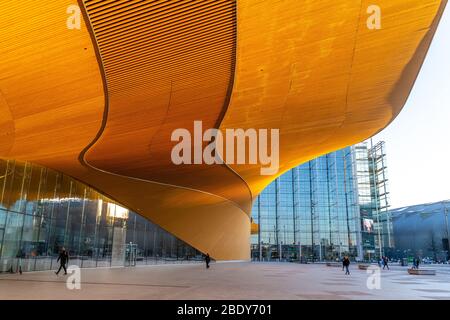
232	280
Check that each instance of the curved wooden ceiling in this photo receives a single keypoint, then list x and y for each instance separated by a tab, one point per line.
166	64
314	70
99	103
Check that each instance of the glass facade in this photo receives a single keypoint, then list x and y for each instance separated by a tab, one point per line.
309	212
373	199
320	210
422	231
42	210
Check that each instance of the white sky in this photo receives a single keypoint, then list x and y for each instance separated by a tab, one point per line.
418	140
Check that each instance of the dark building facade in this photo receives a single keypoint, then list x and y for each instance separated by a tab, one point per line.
422	231
42	211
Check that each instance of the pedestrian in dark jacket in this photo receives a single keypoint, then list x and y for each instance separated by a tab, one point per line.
346	264
63	259
385	262
207	260
20	255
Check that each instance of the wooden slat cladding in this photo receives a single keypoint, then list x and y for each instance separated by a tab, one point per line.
52	102
166	64
310	68
316	71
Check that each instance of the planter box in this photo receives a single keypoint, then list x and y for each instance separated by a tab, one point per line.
363	266
422	272
334	264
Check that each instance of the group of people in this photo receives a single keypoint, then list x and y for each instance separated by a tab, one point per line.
416	262
384	261
63	260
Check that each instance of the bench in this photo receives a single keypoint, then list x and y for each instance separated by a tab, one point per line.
422	272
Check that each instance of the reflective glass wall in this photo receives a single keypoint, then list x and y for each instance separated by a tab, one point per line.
334	205
373	199
42	211
422	231
310	213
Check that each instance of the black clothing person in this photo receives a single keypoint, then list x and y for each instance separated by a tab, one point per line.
207	260
346	263
20	255
385	262
63	259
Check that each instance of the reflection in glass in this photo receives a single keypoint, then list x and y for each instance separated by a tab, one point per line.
42	210
316	211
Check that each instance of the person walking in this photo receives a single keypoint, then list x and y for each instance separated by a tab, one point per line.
346	263
385	263
207	260
20	255
63	259
417	263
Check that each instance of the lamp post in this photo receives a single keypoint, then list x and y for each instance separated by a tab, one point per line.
320	250
299	252
279	251
260	250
